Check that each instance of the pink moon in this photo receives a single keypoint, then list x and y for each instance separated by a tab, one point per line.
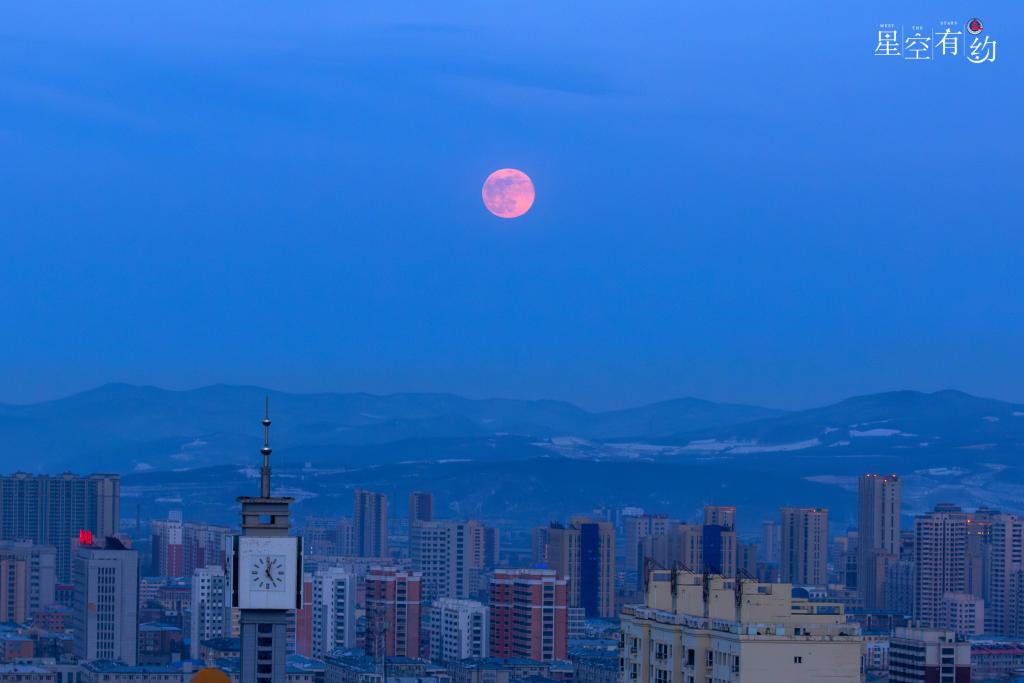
508	193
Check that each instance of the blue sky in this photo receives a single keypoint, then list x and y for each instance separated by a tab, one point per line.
735	200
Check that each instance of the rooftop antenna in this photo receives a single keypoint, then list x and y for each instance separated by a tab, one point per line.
266	450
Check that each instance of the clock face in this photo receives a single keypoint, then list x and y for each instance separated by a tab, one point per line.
267	573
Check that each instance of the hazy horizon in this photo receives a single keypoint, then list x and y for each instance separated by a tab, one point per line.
484	397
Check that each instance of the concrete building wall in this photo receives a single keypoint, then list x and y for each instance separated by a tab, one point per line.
694	629
106	603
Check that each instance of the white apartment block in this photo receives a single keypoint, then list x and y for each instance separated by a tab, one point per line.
449	554
211	613
334	611
458	630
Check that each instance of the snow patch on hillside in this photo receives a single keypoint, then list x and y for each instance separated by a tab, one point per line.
845	483
712	445
943	471
782	447
875	432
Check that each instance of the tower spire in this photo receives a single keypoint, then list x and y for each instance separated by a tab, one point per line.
266	450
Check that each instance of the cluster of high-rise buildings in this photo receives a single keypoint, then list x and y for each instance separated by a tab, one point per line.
53	510
628	597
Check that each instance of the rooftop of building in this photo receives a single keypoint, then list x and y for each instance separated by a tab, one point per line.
294	664
107	667
594	643
26	545
226	644
55	635
22	669
588	650
300	663
993	639
153	626
994	648
926	635
611	663
513	662
358	660
54	608
536	679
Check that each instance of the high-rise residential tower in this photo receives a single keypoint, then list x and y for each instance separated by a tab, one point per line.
637	528
878	540
718	540
168	549
421	507
370	521
804	559
720	515
180	548
393	611
53	510
771	542
940	565
105	611
1004	560
27	579
450	555
334	611
211	611
529	614
584	553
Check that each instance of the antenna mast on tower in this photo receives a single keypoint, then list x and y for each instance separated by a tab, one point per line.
266	450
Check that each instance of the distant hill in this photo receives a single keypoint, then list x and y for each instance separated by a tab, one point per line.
898	420
123	427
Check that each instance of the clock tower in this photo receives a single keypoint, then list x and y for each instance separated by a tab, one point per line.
266	566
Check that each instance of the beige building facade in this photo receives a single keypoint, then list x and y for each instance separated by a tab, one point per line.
697	628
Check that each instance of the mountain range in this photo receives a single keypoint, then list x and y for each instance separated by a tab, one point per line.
122	427
518	459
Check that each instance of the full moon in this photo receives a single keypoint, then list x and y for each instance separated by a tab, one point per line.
508	193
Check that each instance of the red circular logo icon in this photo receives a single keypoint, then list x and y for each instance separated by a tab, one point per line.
974	26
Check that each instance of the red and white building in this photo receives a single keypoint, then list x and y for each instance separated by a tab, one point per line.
393	608
529	614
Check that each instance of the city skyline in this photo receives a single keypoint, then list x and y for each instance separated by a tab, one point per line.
966	581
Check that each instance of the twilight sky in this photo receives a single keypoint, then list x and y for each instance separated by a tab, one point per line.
735	200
